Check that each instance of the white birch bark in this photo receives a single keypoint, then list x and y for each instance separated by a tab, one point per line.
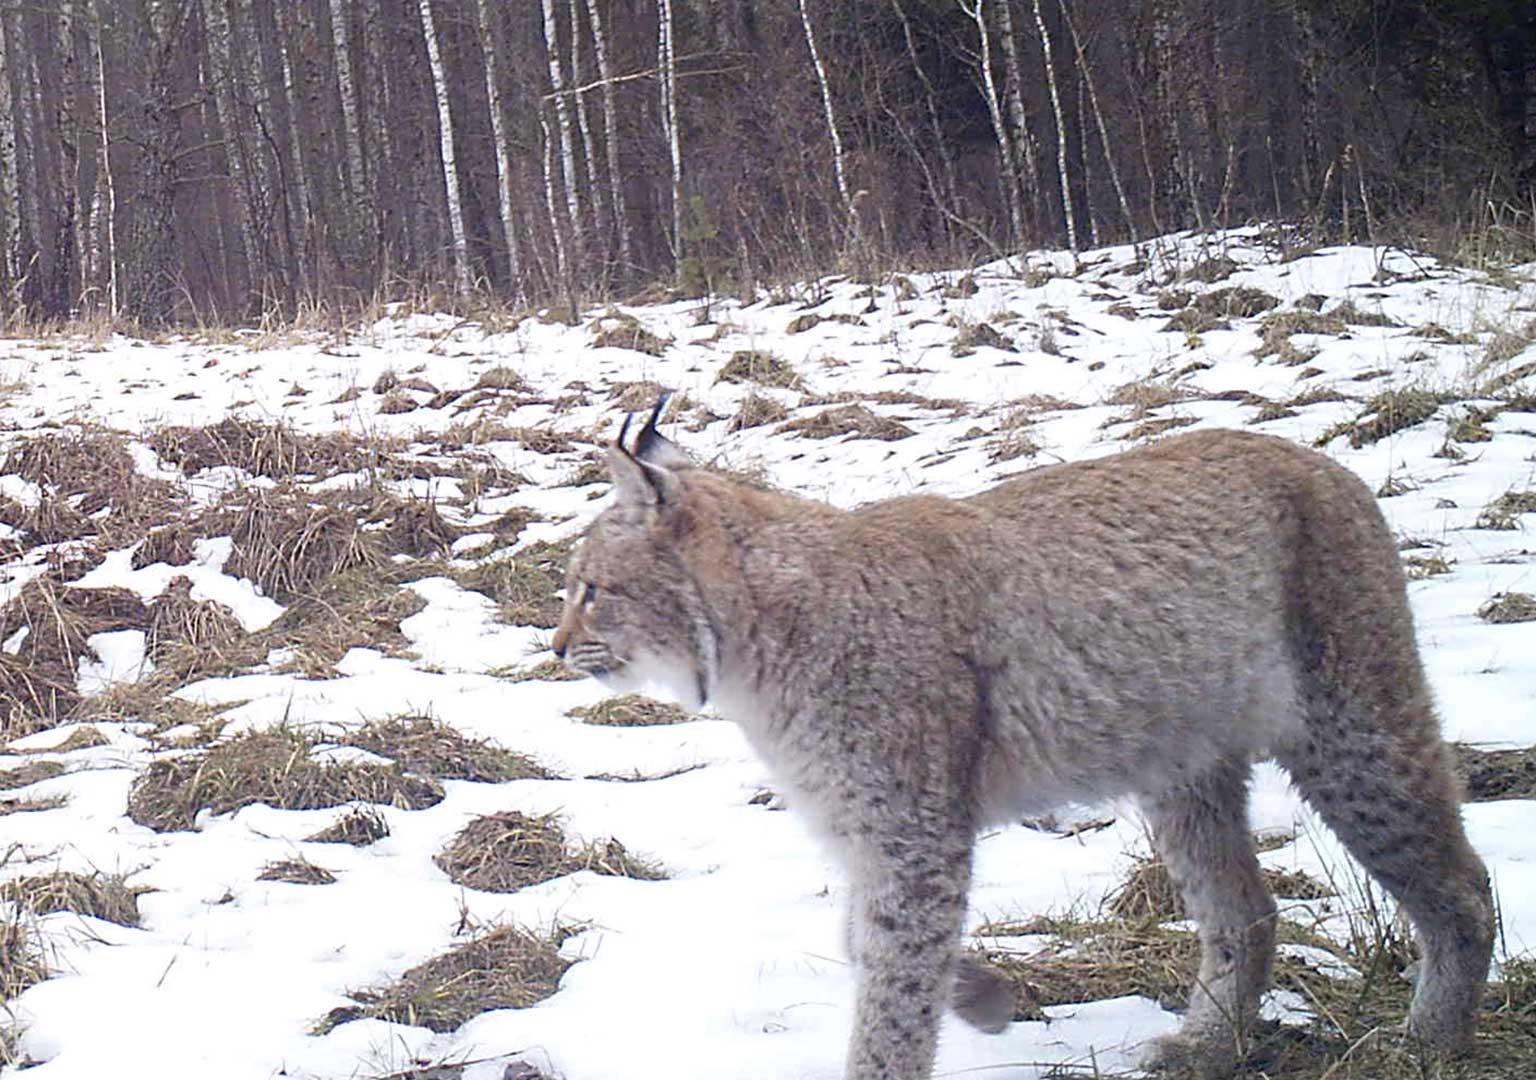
563	120
1061	129
19	77
105	217
450	167
1024	142
839	167
352	133
10	209
216	19
484	27
611	135
584	124
550	201
1098	117
666	61
1005	149
300	180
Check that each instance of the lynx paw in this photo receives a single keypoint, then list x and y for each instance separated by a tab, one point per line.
1207	1054
983	997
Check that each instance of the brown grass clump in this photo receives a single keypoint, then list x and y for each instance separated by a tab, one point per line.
1348	313
1276	329
287	544
630	710
1511	607
276	451
170	544
101	896
32	772
21	960
193	635
503	379
1504	512
642	396
359	608
977	336
527	585
508	851
296	871
757	409
1385	414
1496	774
359	827
1149	892
83	474
272	767
760	367
27	804
621	330
853	420
397	402
82	738
415	527
428	747
34	697
505	968
1146	395
550	670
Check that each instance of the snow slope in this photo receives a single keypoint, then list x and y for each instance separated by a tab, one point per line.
731	968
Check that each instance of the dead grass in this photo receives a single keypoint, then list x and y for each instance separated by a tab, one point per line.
757	409
979	335
101	896
32	772
296	871
630	710
1148	892
620	330
276	451
359	827
1383	415
526	585
1504	512
544	671
504	968
1496	774
759	367
1354	316
507	851
1510	607
91	485
192	636
29	804
272	767
1277	328
22	964
361	607
853	420
1146	395
287	543
428	747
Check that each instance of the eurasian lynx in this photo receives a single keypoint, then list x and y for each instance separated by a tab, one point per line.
1146	624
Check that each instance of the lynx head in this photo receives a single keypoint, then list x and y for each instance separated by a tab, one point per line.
634	613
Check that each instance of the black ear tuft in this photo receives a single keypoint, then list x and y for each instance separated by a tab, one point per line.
649	438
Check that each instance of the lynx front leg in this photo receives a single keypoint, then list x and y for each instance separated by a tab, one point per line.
907	907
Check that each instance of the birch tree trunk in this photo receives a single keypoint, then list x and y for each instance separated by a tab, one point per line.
584	123
666	61
839	168
485	30
105	216
9	207
611	136
1061	129
298	178
216	22
562	262
1098	117
1024	141
1008	159
450	167
19	83
567	135
352	132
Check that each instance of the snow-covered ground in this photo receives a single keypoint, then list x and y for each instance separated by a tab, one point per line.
731	968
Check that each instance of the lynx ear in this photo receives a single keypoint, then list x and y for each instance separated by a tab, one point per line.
640	483
653	448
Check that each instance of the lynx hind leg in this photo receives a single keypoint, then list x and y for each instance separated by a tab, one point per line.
1201	832
1394	803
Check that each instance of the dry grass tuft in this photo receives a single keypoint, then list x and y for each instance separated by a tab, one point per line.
21	959
1348	313
101	896
193	636
757	409
527	585
415	527
272	767
287	543
1496	774
642	396
361	608
32	772
1276	329
853	420
91	486
620	330
29	804
296	871
1504	512
276	451
34	697
1383	415
979	335
760	367
508	851
428	747
630	710
505	968
544	671
359	827
1146	395
1510	607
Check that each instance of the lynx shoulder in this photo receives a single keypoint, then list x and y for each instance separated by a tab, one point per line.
1146	624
